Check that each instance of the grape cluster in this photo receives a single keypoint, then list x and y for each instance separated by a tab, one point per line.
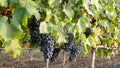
55	54
88	32
68	46
33	25
93	21
45	40
75	51
70	38
47	45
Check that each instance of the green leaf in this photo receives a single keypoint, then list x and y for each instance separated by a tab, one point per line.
80	2
100	52
107	41
111	15
117	2
13	48
54	3
30	8
43	27
118	36
25	21
73	1
50	27
96	15
86	5
70	27
68	11
110	27
82	24
82	37
18	16
3	3
91	41
14	3
48	15
98	6
61	38
6	31
16	21
86	48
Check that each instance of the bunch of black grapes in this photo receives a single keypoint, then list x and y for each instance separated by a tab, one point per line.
47	45
88	32
55	54
33	25
46	41
93	21
69	44
70	38
75	51
70	47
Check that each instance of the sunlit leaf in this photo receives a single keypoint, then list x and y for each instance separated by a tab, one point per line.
13	48
6	31
3	3
68	11
43	27
61	38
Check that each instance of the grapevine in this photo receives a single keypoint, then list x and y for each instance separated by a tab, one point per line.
94	24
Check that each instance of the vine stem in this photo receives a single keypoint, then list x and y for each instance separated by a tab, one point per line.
92	61
47	63
31	55
75	60
64	57
94	49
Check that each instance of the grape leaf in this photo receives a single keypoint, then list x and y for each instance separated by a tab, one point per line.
68	11
54	3
6	31
61	38
43	27
117	2
13	47
82	24
31	8
25	21
48	15
3	3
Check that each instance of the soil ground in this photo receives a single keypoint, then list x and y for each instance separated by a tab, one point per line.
34	59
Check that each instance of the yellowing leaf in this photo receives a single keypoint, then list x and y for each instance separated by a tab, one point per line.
61	38
3	3
13	48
